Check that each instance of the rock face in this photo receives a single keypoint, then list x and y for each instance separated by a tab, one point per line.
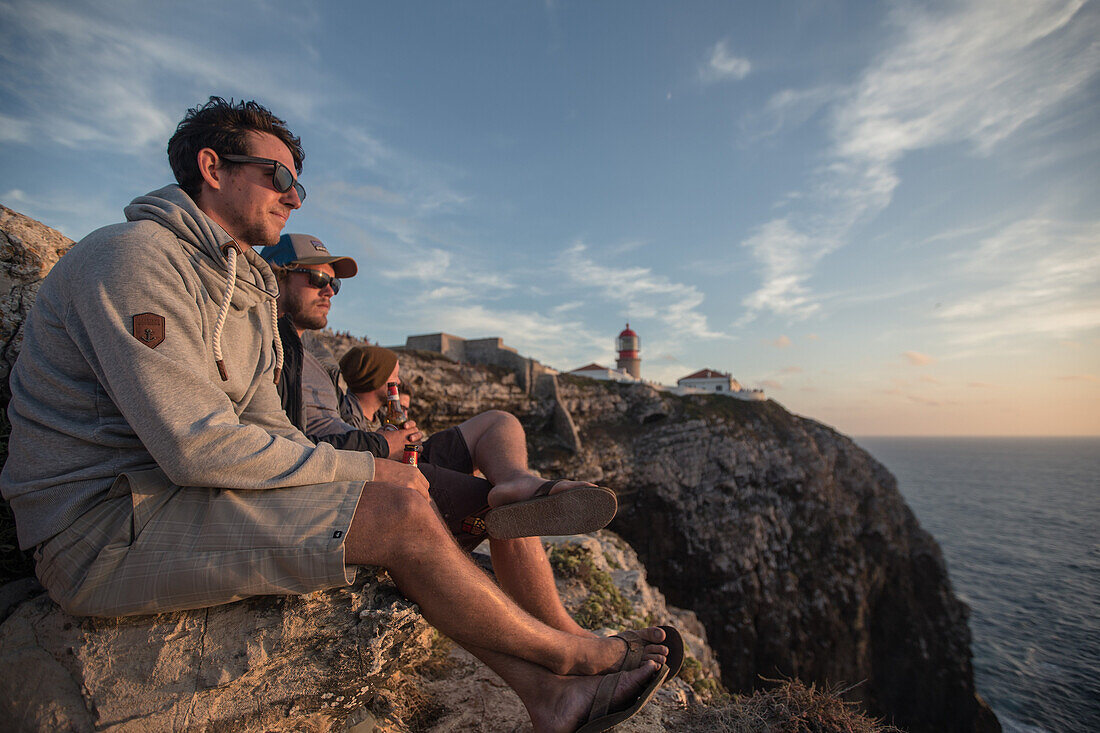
273	664
359	658
27	252
791	543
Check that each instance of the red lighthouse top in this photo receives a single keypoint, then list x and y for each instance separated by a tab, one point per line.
627	344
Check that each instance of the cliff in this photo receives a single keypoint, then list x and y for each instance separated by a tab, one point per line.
790	544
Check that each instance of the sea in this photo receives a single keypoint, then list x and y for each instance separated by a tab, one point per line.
1019	523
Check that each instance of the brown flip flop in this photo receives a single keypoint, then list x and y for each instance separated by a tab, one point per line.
599	716
576	511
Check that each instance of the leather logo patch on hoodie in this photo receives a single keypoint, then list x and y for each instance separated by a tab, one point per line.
149	329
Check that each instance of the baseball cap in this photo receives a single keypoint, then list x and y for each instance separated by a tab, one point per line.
305	249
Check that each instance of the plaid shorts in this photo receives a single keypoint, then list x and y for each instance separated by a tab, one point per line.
152	546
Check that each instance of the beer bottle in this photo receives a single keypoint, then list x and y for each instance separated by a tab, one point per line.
395	415
412	454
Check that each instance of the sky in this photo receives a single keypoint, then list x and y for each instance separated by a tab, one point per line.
884	214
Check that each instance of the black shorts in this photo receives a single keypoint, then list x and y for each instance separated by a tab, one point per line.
463	499
448	449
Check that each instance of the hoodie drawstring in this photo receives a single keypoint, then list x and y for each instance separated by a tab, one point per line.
223	313
278	340
227	299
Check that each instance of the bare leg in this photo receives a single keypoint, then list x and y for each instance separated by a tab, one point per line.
524	572
398	529
498	447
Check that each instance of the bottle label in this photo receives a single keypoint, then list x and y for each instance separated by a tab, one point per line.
412	454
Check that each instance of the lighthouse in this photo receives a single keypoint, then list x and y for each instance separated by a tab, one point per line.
629	361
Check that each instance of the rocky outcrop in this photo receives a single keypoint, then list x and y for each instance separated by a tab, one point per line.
359	658
791	543
27	252
28	249
306	662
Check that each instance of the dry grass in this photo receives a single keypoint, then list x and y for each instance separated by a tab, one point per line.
789	707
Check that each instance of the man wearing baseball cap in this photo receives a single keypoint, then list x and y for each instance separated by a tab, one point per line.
492	442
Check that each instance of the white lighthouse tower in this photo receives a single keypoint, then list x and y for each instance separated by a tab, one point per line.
628	345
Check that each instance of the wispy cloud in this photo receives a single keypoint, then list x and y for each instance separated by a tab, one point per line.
787	258
918	359
1080	378
442	275
974	75
911	397
722	65
96	76
641	292
780	343
67	213
785	110
1033	276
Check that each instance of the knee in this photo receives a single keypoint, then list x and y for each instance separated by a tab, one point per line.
503	419
391	523
395	506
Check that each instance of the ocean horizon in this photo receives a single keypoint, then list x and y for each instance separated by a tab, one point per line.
1016	518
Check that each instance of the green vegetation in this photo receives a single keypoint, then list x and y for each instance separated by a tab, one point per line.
604	605
708	688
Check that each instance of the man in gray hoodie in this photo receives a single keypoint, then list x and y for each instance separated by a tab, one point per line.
152	468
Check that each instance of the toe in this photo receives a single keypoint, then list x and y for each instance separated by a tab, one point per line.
652	634
656	652
568	486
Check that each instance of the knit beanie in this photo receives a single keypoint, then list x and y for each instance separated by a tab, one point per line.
366	368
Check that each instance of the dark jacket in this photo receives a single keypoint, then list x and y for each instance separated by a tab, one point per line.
290	391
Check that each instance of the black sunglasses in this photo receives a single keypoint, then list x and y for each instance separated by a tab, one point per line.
281	177
318	279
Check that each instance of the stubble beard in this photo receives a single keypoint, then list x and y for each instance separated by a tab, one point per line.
258	235
296	308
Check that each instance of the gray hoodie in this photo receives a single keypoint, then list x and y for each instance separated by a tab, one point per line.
96	395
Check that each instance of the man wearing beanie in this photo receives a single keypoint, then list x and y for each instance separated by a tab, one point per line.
366	371
492	442
523	504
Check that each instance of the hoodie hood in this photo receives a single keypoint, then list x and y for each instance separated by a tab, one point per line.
176	211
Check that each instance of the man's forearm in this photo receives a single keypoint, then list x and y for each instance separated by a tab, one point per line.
356	440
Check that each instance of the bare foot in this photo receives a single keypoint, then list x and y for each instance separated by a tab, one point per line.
569	699
611	653
524	487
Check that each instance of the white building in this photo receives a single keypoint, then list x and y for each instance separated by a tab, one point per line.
708	380
711	381
607	374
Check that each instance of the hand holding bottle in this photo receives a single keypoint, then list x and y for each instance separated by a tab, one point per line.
397	436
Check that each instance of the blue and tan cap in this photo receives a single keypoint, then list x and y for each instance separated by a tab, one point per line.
305	249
